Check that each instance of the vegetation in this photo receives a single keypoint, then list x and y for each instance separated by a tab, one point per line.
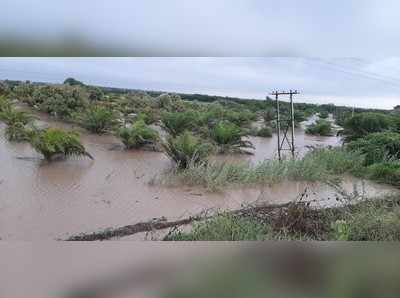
186	150
5	104
323	115
319	165
228	137
73	82
97	119
16	121
59	100
378	147
138	135
320	127
265	132
385	172
368	220
224	227
53	142
365	123
176	123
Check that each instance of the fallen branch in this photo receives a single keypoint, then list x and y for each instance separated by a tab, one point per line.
161	224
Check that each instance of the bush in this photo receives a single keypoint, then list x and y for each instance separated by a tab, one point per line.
228	137
51	142
385	172
5	104
321	127
223	227
4	88
323	115
378	147
371	222
60	101
16	121
138	135
17	132
265	132
365	123
97	119
176	123
186	149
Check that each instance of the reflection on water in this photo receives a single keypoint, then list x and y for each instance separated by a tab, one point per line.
39	200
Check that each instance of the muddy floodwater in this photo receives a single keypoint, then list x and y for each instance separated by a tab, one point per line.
45	201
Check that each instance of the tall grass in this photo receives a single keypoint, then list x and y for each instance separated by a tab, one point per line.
317	165
366	220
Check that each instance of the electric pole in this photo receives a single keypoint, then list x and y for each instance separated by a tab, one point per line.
283	126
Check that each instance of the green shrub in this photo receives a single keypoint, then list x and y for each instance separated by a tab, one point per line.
265	132
4	88
176	123
228	137
299	116
223	227
17	132
378	147
17	121
97	119
321	127
59	100
51	142
11	116
5	104
365	123
186	149
373	223
323	114
385	172
138	135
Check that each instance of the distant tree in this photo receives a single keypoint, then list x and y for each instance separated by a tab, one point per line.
73	82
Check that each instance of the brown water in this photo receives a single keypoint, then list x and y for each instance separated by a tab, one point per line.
40	200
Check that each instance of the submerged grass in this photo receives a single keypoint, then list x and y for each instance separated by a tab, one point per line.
317	165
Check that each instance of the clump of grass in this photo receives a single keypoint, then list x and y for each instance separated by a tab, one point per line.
385	172
224	227
138	135
186	150
52	142
228	137
321	127
367	220
371	221
317	165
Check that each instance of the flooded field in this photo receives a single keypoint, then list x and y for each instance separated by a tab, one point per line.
42	201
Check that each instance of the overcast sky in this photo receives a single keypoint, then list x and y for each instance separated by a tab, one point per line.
340	28
344	81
